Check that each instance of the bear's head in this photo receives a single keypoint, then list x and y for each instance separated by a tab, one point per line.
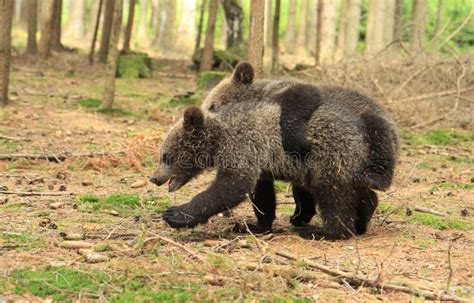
185	152
232	89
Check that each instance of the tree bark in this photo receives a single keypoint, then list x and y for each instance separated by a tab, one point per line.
142	32
256	33
300	39
76	27
311	26
439	13
200	25
112	58
389	24
397	27
206	62
327	33
352	27
128	29
234	16
275	40
418	25
187	25
374	39
106	31
44	47
341	34
268	23
6	14
32	12
290	33
96	31
154	13
165	36
317	48
57	27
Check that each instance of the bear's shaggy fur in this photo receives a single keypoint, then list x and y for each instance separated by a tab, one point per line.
298	101
244	143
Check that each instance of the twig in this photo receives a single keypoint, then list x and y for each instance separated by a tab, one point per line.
37	193
438	94
428	211
458	29
189	251
450	275
357	280
56	158
13	138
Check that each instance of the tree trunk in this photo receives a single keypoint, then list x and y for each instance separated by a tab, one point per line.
256	33
165	37
327	34
93	13
439	13
374	39
389	24
200	25
32	12
6	14
96	31
234	16
268	23
154	13
300	40
106	31
128	29
351	38
76	27
187	25
275	31
112	58
57	27
142	32
311	26
319	15
46	28
397	27
206	62
290	33
418	25
341	34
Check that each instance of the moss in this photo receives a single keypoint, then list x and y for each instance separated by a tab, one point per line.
134	65
89	198
61	284
90	103
207	80
441	223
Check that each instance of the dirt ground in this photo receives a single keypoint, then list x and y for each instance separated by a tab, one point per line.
129	254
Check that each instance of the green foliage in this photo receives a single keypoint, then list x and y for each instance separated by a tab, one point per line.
435	137
280	186
291	300
134	65
19	241
131	200
62	284
147	295
385	208
90	103
181	101
441	223
207	80
89	198
158	204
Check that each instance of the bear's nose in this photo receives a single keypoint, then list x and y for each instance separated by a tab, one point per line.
154	180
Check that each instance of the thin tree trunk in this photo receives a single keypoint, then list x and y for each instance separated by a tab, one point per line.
397	27
352	27
93	13
200	25
256	33
234	16
311	27
32	12
106	31
44	46
76	27
154	13
418	25
113	56
342	34
128	29
275	40
290	33
57	27
206	62
268	23
327	35
439	14
374	40
389	24
300	40
165	36
96	31
319	17
142	32
6	14
187	25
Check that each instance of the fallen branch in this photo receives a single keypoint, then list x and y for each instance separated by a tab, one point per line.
167	240
13	138
56	158
438	94
37	193
178	76
428	211
361	281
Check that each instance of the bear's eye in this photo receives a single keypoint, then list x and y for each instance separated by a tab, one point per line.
213	108
167	158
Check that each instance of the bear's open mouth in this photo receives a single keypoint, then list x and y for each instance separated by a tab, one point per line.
173	184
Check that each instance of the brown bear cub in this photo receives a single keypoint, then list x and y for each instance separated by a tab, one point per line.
245	142
298	101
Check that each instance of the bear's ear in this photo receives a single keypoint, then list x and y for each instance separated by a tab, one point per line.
243	73
193	118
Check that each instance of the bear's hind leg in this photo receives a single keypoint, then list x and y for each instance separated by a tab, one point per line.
339	214
305	206
264	204
368	202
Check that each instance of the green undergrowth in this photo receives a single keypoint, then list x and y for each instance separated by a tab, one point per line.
94	105
134	65
124	204
440	223
207	80
117	111
90	103
180	101
18	241
436	137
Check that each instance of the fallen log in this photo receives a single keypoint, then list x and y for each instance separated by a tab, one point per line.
37	193
56	157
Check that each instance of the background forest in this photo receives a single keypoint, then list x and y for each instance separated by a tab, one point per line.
89	90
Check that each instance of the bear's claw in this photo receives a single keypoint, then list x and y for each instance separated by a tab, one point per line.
177	217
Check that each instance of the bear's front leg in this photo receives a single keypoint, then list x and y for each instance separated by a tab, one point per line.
227	191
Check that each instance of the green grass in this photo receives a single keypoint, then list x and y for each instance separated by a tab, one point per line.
18	241
89	198
135	65
117	111
90	103
157	204
426	243
7	146
130	200
435	137
441	223
207	80
61	283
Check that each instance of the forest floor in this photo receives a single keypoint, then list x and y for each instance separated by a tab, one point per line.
129	254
